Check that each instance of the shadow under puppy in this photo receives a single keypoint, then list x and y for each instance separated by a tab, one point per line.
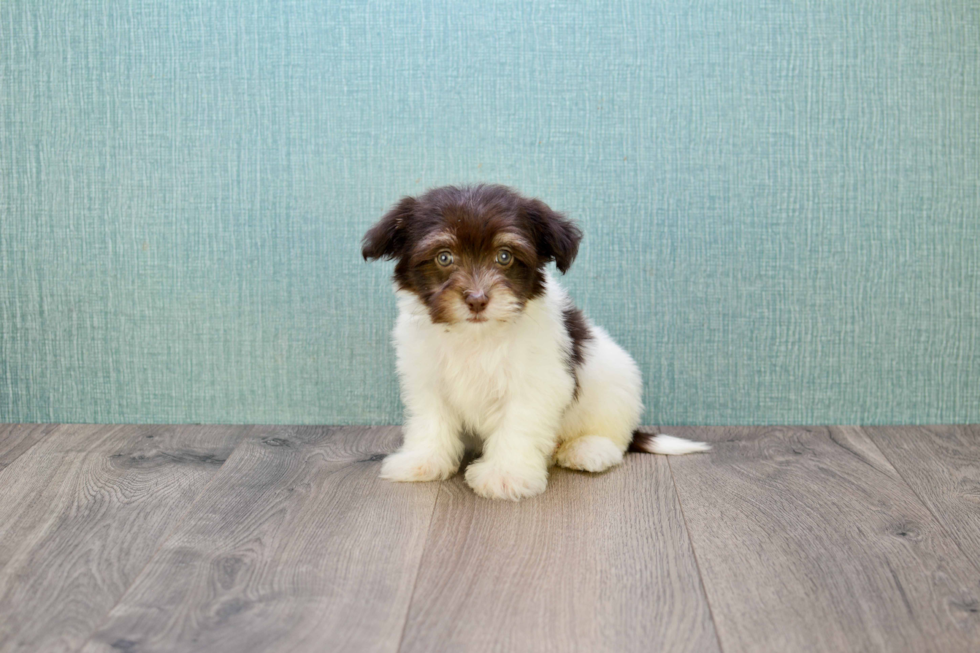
489	344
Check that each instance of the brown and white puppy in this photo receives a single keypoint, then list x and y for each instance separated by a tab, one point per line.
490	345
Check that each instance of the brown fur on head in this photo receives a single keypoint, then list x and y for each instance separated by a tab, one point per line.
473	225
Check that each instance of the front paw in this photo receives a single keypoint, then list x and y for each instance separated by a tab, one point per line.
412	466
495	481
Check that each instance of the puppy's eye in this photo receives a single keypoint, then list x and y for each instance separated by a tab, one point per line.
444	258
504	257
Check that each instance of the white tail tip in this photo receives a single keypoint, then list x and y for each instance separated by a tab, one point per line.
668	445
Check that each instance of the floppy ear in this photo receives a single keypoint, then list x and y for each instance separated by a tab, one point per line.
386	239
556	236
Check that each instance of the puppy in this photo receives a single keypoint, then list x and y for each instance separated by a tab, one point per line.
491	349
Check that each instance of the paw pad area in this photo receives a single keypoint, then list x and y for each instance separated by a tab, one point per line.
590	453
411	467
498	482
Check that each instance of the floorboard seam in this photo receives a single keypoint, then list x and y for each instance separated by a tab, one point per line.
418	568
694	552
922	501
166	538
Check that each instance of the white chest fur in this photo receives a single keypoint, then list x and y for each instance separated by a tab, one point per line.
479	370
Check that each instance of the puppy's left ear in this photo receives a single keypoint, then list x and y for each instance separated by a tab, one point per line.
556	236
386	239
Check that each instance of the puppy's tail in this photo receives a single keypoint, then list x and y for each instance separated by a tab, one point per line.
667	445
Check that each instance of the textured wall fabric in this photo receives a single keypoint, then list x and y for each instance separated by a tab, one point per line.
781	200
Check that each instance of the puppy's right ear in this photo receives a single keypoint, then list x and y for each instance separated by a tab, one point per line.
386	239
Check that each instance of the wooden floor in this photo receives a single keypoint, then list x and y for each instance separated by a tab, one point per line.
240	539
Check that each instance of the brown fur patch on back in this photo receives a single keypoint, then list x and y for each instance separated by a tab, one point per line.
579	334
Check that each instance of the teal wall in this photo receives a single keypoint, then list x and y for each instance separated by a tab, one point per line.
781	200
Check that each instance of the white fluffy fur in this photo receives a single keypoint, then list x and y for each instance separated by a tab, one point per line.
668	445
507	382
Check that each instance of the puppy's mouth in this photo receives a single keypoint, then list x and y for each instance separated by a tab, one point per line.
476	319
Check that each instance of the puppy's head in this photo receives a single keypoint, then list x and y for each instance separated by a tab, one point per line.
472	254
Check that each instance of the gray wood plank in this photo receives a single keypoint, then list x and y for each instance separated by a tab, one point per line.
82	512
597	563
809	540
15	439
297	546
942	465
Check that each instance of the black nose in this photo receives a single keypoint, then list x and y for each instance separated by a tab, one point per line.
476	300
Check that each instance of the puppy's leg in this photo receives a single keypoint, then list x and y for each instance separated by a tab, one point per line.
516	456
597	428
590	453
432	447
516	471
